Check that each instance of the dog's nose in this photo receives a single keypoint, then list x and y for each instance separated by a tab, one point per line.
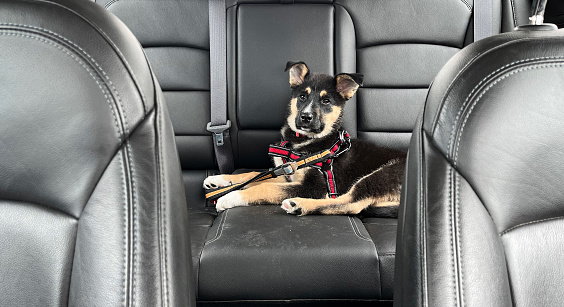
306	117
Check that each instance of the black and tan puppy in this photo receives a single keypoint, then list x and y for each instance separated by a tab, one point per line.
368	177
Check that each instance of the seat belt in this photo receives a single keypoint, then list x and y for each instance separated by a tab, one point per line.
219	124
483	19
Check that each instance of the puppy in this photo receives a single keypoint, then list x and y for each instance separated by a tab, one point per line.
366	177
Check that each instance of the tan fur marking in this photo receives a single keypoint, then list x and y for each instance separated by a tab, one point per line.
323	93
343	204
239	178
329	120
265	192
308	90
293	114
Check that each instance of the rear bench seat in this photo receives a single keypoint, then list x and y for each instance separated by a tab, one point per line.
261	253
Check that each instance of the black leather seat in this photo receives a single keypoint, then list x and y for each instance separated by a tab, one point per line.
92	205
398	45
481	217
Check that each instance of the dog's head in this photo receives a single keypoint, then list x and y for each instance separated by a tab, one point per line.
318	100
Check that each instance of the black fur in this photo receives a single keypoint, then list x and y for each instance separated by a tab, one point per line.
362	159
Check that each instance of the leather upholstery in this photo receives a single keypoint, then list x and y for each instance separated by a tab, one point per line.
92	206
481	211
398	45
305	261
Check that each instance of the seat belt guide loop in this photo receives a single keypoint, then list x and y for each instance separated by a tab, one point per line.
218	131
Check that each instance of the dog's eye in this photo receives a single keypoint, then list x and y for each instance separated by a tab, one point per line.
325	101
302	97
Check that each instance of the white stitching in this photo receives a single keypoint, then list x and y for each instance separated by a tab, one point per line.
135	222
529	223
125	226
163	204
219	231
357	231
458	230
486	90
78	61
110	3
467	5
465	103
89	57
451	233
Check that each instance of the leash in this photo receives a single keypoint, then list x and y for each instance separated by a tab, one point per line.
293	161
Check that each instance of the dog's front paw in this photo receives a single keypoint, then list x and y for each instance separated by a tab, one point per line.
217	181
230	200
291	206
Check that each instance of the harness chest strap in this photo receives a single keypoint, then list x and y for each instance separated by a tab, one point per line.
325	167
322	160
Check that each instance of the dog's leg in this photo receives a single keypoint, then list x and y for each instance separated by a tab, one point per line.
380	188
265	193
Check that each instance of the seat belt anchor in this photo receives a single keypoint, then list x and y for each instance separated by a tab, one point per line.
218	131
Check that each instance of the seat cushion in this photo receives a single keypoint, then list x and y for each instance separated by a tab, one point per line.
262	253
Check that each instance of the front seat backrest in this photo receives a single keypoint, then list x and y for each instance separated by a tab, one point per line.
481	215
92	207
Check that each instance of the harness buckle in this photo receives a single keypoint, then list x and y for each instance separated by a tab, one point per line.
289	168
218	131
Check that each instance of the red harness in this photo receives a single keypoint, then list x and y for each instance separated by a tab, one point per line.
326	167
322	160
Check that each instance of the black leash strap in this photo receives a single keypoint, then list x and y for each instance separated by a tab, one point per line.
322	160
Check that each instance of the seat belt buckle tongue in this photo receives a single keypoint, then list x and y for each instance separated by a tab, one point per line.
218	131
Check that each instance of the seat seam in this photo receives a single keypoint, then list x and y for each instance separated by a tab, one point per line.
462	70
73	56
459	245
357	231
162	207
219	231
467	100
110	3
92	60
530	223
112	45
125	256
526	68
467	5
451	235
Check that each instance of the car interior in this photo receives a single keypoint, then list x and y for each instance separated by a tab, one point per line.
113	112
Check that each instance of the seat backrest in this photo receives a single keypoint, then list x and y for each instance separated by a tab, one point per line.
481	214
92	209
398	45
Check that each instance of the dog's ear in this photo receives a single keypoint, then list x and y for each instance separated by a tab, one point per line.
347	84
298	72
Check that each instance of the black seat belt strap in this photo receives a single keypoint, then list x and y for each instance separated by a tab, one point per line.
219	124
